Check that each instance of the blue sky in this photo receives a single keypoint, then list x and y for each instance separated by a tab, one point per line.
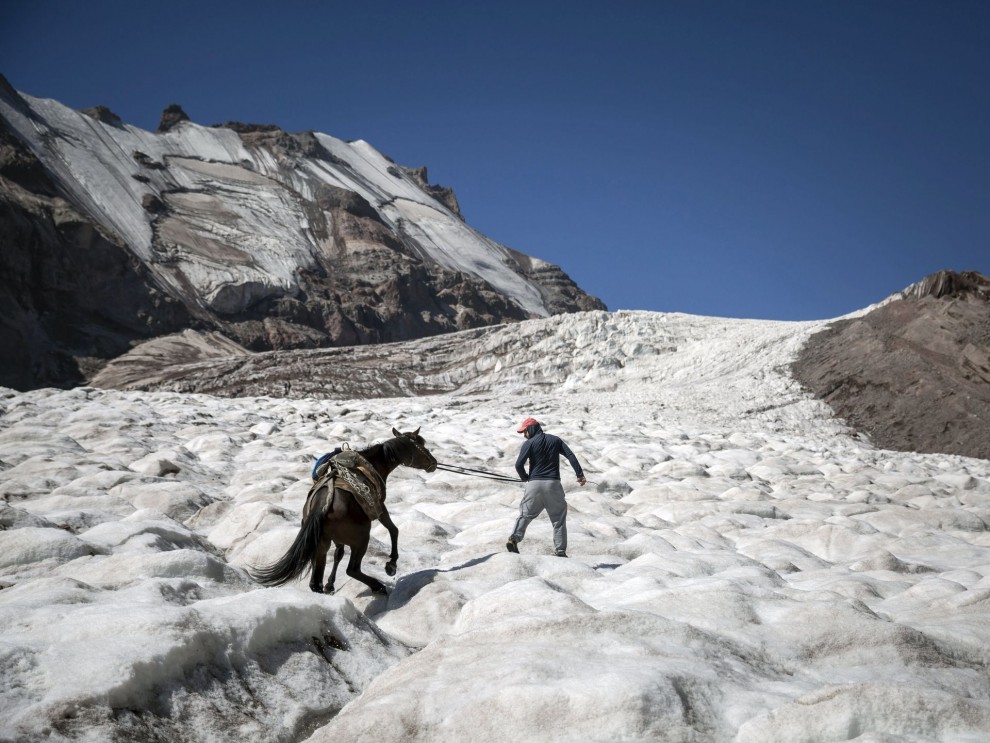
777	160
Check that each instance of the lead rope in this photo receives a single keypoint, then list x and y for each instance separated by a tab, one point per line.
482	474
486	475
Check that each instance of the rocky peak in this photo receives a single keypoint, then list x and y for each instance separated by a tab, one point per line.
950	284
6	89
443	194
242	128
103	114
172	116
10	95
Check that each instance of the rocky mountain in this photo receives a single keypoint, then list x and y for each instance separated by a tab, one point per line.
112	235
913	373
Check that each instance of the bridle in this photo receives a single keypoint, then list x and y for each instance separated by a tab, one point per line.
409	456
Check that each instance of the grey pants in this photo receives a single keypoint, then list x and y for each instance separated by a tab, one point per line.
539	495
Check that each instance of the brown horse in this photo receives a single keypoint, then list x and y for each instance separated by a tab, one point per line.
346	524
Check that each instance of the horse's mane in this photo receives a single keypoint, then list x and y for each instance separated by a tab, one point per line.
393	449
372	451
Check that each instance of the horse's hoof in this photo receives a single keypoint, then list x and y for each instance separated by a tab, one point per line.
380	591
390	568
316	589
328	590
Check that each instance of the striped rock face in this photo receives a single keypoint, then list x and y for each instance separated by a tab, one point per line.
276	240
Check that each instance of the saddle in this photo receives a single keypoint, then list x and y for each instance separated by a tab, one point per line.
348	471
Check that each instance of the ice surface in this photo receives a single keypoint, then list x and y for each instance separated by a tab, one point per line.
741	567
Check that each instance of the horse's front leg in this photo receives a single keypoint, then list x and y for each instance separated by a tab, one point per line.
338	554
393	532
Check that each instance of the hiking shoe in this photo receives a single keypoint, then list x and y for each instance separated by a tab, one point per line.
560	554
511	546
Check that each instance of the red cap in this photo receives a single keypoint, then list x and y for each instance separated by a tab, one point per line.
526	424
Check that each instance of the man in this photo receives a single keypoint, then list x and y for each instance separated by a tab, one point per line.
543	488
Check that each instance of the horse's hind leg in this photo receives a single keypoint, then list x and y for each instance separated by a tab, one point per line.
338	554
320	558
354	566
393	532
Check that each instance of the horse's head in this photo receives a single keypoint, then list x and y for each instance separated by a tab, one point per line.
412	448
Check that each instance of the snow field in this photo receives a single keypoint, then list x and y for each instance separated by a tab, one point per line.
740	568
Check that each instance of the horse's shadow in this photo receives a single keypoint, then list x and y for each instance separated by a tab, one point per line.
408	586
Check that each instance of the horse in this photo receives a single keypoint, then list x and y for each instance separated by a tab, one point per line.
346	524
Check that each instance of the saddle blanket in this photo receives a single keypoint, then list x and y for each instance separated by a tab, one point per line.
348	471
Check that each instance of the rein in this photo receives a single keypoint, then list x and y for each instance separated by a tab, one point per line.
392	453
483	474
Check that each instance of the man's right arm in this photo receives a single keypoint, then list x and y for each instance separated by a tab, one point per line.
574	462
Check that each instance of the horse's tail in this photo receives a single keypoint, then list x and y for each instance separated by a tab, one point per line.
297	559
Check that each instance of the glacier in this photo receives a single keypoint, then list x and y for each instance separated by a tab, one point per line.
743	566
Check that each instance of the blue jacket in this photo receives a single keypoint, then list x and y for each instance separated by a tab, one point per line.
543	452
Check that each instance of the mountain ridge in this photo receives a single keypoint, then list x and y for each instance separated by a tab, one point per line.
274	239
